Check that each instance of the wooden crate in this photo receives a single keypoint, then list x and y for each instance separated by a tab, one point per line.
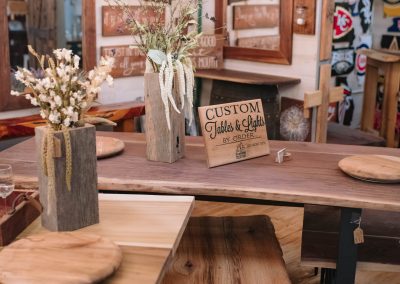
25	213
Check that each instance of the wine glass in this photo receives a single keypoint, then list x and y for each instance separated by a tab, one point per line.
6	184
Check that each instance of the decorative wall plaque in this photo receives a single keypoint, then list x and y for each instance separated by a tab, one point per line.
209	54
234	132
128	61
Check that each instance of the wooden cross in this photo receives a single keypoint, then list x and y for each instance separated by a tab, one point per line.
321	100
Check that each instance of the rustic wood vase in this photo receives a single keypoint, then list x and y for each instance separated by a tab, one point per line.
64	209
163	144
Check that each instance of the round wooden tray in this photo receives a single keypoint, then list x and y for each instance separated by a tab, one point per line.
71	257
373	168
108	147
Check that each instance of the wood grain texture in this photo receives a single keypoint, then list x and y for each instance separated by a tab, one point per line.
147	228
25	126
163	144
376	168
89	45
70	210
370	87
326	37
59	257
108	147
228	250
391	101
312	176
322	112
246	77
288	223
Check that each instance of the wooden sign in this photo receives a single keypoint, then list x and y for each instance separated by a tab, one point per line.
234	132
114	20
255	16
128	61
260	42
209	54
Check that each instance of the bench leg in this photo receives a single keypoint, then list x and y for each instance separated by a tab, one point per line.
346	263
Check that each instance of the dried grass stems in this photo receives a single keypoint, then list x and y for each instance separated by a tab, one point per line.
166	32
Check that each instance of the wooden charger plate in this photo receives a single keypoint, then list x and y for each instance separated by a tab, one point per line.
374	168
71	257
108	146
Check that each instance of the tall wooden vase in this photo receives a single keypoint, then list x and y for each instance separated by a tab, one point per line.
64	209
163	144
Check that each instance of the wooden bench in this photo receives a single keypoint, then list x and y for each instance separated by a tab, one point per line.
379	252
122	114
224	250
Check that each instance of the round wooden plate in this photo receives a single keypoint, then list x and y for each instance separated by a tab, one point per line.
374	168
108	146
71	257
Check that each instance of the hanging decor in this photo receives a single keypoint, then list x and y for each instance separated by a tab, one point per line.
365	8
346	107
342	61
391	8
167	42
67	145
343	29
395	27
361	59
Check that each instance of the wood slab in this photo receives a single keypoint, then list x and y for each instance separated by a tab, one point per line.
228	250
71	257
147	228
312	176
374	168
108	147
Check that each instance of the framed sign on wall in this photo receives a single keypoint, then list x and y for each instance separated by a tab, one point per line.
256	30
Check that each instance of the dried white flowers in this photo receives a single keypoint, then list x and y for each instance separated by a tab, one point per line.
65	93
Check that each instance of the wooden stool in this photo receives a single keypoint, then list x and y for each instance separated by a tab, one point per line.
390	65
224	250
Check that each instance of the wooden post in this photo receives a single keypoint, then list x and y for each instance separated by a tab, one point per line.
70	210
163	145
322	113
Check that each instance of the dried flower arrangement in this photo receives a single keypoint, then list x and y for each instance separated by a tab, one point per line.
167	43
64	94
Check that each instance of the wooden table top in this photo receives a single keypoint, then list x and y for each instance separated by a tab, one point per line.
147	228
246	77
311	177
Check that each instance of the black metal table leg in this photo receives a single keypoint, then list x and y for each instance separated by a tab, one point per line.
346	263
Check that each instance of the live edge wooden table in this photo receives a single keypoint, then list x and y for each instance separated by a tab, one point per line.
311	177
147	228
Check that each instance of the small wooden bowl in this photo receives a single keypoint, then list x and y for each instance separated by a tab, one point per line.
107	147
373	168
